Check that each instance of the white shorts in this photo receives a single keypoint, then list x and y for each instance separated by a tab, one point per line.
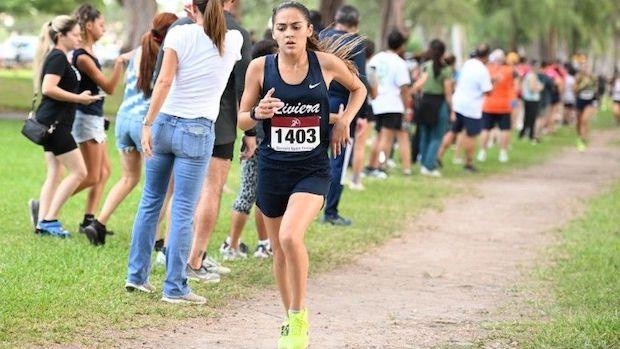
87	127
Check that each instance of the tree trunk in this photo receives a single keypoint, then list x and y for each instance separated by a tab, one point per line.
328	9
392	18
139	14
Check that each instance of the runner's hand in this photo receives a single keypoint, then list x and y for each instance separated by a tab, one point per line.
452	116
268	106
340	133
146	141
249	147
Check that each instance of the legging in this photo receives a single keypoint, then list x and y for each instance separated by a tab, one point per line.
529	123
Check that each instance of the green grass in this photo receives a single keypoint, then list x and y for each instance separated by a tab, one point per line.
16	92
582	306
64	291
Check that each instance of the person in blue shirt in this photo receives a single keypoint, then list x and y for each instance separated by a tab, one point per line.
346	22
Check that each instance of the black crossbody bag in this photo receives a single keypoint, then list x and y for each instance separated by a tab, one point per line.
33	129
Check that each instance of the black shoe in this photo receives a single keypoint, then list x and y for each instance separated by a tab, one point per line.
159	245
96	233
336	220
470	169
33	210
439	163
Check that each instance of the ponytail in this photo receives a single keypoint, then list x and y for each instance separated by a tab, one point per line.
44	46
344	47
147	63
214	21
48	37
150	43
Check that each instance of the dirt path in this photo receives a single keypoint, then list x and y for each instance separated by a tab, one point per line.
450	272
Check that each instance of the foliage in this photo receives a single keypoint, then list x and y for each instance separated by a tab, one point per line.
34	6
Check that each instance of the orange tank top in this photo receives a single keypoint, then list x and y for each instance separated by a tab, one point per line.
500	99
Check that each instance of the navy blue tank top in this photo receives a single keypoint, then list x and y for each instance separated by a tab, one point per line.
300	130
86	83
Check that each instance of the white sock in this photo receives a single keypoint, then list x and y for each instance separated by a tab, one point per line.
263	242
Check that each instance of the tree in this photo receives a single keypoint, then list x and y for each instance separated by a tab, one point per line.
57	7
139	13
328	9
392	18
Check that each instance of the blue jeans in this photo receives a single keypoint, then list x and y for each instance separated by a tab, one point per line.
181	147
430	138
335	188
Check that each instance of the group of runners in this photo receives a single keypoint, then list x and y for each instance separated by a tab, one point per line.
307	103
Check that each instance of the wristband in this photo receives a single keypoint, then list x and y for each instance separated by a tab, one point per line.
253	114
251	132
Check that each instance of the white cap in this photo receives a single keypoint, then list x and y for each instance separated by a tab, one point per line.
497	56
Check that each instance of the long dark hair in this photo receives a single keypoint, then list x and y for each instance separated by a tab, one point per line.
436	51
341	46
86	13
150	43
214	21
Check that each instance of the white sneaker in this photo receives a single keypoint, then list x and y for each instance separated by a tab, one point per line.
378	174
202	275
503	156
160	259
263	251
482	155
356	186
457	161
391	163
190	298
146	287
211	265
426	172
231	254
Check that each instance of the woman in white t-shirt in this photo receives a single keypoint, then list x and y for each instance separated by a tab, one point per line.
390	106
198	59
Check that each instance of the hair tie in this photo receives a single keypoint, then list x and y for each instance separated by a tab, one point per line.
156	36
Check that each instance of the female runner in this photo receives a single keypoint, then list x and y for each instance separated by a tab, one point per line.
293	175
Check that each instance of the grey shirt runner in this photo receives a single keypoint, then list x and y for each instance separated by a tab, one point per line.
226	124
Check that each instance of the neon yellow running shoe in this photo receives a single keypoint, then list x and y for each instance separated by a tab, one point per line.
581	145
283	340
298	330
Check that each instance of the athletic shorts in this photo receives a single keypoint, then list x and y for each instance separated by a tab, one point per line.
490	120
277	181
224	151
583	103
60	141
128	132
471	126
88	127
391	121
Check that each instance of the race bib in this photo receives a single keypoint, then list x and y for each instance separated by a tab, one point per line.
295	134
